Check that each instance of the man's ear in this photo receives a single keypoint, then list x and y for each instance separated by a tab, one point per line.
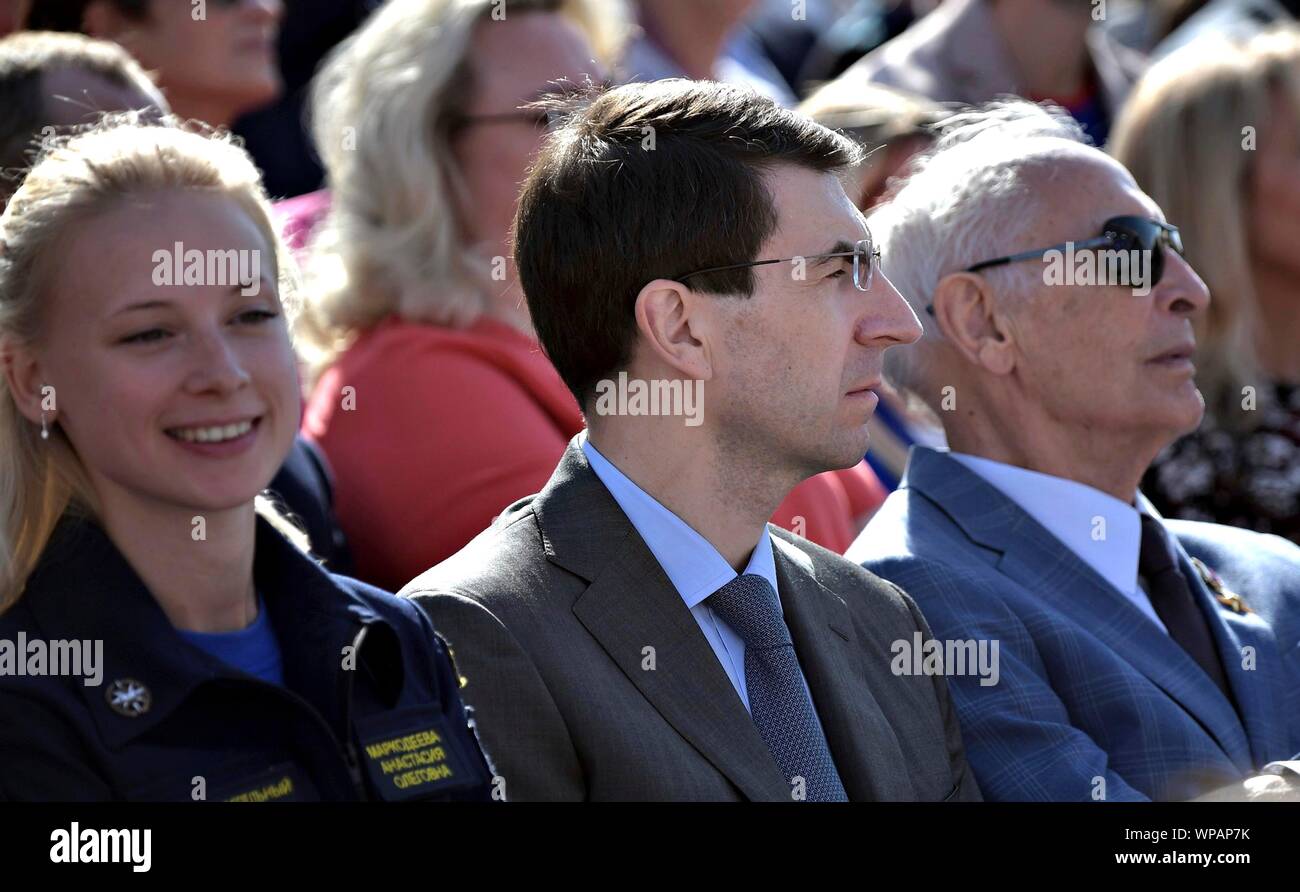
22	371
669	318
971	319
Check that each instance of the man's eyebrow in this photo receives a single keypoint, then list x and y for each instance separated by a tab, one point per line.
840	247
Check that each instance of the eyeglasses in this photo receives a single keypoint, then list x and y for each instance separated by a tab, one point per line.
865	260
1119	234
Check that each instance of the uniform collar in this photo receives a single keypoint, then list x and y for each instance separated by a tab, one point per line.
84	589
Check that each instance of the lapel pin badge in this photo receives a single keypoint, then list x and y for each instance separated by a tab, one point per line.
1222	593
128	697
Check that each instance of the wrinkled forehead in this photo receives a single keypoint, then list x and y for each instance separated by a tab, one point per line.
1060	178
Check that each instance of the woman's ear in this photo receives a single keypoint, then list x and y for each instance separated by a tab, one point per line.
672	324
969	318
22	371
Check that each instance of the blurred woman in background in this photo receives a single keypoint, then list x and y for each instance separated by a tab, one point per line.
213	63
1212	134
150	394
433	401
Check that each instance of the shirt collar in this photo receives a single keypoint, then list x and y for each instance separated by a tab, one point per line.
694	567
1105	533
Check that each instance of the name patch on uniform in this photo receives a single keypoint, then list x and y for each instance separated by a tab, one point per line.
412	757
279	783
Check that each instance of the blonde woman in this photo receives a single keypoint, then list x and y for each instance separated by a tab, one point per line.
150	393
432	400
1212	134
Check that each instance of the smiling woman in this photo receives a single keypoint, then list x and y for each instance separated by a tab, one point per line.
141	417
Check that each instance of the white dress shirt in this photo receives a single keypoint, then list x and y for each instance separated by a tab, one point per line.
1105	533
694	567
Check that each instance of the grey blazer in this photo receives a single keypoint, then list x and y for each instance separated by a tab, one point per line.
590	679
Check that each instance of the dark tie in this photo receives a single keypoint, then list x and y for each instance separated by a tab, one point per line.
1172	598
778	701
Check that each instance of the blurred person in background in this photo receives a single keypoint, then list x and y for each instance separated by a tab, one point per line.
972	51
1212	133
277	135
213	62
51	81
140	421
13	15
892	127
432	399
701	41
1182	22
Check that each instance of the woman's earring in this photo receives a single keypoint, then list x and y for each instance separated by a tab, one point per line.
45	428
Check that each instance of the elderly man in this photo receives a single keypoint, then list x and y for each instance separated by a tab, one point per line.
1138	658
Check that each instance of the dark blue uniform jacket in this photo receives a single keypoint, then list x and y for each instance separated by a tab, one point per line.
370	708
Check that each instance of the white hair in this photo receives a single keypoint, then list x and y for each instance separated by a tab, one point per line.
967	199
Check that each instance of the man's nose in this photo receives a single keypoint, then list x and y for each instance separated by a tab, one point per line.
888	318
1181	290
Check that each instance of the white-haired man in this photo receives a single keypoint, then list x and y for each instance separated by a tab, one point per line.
1058	356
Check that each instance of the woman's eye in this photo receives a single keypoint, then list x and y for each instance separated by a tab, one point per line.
254	317
145	337
838	274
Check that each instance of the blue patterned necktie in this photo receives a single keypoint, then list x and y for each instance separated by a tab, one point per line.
778	701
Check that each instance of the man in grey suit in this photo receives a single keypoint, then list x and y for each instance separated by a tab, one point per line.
636	631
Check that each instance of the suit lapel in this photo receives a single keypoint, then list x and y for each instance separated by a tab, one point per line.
1256	690
862	742
1042	564
629	605
1039	561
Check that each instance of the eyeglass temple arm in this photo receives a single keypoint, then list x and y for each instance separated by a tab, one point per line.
1098	242
718	269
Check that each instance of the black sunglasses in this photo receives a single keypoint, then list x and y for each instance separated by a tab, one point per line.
1117	234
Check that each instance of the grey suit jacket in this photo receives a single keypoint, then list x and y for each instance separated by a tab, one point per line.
590	679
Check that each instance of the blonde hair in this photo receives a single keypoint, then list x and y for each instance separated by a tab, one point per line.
75	178
1181	135
391	241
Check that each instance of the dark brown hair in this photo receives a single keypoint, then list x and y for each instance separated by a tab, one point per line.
650	181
